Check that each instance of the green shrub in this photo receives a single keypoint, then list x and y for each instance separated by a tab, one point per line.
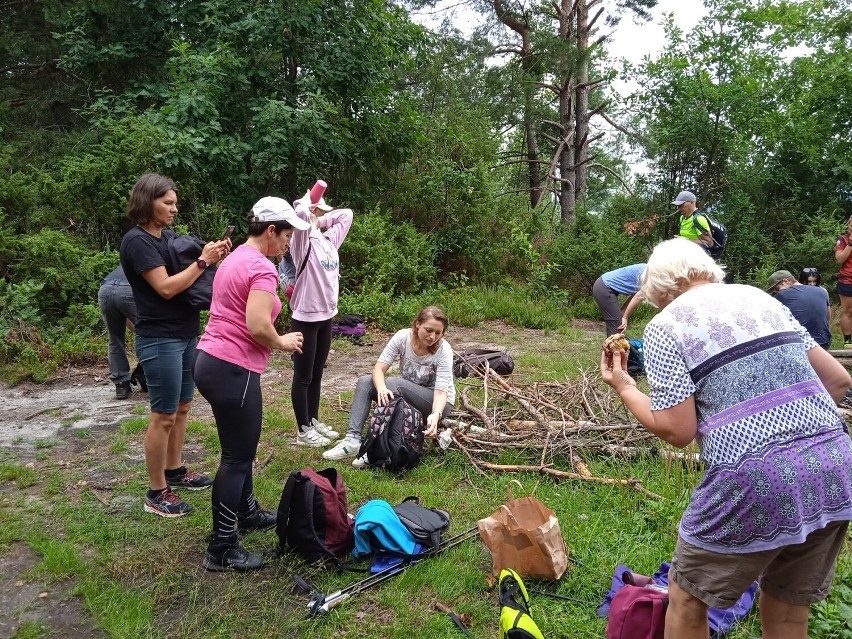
52	273
392	258
594	245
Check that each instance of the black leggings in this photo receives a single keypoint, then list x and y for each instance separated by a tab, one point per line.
237	403
307	369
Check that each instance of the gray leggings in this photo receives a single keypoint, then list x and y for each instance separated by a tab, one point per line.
607	301
418	396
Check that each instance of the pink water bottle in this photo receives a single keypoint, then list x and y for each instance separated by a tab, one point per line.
317	190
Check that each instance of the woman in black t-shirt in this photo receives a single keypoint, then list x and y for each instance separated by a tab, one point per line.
166	334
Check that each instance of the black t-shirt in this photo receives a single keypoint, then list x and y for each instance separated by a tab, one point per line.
158	317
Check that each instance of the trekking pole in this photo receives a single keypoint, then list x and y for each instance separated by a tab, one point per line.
320	604
335	599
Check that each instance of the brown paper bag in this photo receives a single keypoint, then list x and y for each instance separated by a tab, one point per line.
524	535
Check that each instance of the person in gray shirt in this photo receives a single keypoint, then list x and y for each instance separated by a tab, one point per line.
425	381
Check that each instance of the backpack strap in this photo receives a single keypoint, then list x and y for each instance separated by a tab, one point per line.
696	225
400	458
304	261
658	611
286	503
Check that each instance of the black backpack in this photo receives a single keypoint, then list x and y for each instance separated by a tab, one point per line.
718	231
474	359
426	524
313	515
137	378
183	251
395	438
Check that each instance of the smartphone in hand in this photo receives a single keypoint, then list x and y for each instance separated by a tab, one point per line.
228	232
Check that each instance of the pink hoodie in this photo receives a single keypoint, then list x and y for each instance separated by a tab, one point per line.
318	286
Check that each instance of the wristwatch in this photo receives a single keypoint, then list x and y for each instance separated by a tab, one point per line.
201	264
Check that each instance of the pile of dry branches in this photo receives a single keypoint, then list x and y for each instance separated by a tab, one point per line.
552	422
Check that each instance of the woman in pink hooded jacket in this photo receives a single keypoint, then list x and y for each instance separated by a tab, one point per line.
314	305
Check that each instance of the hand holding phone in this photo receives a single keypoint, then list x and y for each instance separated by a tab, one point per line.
228	232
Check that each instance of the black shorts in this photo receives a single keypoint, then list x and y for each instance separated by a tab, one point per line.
844	289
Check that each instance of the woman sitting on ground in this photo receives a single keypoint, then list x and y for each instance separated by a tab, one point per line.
730	368
232	354
426	381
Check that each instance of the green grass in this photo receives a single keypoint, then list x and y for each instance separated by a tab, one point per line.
72	419
141	576
18	474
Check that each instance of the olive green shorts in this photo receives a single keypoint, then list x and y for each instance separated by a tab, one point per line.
798	575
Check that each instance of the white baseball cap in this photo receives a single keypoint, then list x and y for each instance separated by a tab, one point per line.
274	209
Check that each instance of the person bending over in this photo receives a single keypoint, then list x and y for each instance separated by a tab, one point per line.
118	311
607	288
730	368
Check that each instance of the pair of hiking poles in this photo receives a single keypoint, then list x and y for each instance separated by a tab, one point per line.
320	603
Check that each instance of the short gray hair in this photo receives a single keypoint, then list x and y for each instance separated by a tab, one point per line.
673	267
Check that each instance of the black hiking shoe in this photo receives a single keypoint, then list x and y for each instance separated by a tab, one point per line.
228	554
122	390
189	480
260	519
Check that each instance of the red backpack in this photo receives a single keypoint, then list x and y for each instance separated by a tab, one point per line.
313	515
638	610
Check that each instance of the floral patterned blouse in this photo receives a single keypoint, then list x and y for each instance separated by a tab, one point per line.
778	455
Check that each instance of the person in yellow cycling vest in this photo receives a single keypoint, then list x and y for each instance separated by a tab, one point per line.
693	225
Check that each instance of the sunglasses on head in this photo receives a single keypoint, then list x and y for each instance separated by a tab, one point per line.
808	271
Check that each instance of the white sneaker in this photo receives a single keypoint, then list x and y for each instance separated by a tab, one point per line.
310	437
360	462
323	430
346	447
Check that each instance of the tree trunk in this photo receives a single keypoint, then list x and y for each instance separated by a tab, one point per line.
518	23
581	105
567	122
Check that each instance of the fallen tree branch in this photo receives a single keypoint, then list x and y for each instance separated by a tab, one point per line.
635	484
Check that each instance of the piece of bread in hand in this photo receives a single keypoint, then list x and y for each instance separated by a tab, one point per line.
617	343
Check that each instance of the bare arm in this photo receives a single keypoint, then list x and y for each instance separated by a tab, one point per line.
831	373
841	255
383	392
677	425
259	323
439	402
167	286
635	300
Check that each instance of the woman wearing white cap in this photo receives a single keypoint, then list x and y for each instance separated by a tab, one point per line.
232	354
314	305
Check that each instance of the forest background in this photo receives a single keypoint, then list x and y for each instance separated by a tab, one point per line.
494	161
